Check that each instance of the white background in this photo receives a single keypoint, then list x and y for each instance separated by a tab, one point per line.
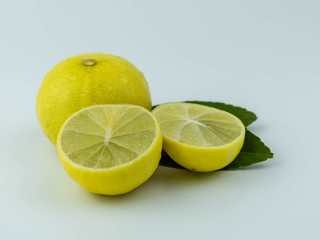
262	55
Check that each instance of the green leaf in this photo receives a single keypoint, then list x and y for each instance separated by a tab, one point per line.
167	161
253	151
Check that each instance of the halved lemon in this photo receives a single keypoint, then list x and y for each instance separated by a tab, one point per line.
110	149
199	138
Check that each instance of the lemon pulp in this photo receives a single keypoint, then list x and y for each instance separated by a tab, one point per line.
199	138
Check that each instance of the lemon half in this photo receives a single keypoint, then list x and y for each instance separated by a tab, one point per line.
199	138
110	149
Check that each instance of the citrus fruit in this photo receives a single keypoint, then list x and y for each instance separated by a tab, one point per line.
110	149
199	138
87	80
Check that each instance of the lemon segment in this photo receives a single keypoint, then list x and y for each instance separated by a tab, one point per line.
199	138
87	80
110	149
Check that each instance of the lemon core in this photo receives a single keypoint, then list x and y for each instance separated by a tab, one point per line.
89	62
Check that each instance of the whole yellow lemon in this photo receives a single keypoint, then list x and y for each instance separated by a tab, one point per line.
86	80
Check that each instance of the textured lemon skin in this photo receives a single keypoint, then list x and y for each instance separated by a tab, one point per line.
117	180
202	159
71	86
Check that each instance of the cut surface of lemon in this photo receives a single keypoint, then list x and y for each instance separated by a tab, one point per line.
110	149
198	137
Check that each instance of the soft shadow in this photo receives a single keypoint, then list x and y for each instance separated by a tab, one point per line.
165	180
135	194
182	176
257	166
